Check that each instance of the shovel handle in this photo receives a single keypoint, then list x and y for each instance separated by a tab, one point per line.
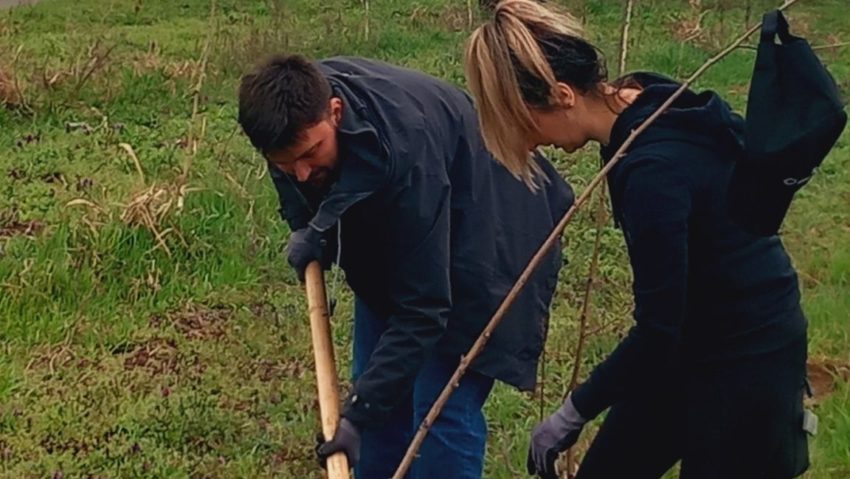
326	377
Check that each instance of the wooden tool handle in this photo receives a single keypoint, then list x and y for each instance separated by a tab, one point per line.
325	366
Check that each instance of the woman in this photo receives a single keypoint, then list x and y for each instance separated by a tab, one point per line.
713	372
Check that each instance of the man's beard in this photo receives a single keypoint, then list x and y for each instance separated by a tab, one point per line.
321	178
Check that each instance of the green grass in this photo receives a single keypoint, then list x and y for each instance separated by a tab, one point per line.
128	356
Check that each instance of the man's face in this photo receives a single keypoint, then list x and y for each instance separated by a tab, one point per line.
314	158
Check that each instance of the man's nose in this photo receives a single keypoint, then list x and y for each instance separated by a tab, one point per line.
302	171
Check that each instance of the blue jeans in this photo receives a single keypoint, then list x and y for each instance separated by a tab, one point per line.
454	447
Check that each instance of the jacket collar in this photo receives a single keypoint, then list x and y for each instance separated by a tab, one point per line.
363	161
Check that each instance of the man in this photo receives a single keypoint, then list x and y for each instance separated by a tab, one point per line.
383	170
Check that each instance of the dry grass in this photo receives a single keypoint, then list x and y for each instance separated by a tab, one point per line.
10	96
152	207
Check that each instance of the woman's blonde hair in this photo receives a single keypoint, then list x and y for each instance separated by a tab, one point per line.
513	63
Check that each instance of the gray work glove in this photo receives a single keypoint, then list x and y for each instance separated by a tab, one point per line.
306	245
346	439
554	435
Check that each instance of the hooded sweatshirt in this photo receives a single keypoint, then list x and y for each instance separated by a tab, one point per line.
706	293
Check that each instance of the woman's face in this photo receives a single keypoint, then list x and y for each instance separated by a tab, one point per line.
555	127
564	124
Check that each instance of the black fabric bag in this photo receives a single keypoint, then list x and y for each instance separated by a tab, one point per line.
794	117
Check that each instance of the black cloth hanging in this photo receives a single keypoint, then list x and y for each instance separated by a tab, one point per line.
794	117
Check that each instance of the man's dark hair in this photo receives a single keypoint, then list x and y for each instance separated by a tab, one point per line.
280	99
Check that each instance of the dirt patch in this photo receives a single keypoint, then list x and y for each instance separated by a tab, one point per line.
844	86
286	455
156	356
84	183
742	89
452	18
9	95
20	228
268	370
53	177
197	321
50	358
824	374
687	27
832	46
262	309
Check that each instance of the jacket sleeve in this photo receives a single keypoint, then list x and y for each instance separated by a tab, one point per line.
656	204
294	207
420	296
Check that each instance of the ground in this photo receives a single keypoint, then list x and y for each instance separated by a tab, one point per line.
148	323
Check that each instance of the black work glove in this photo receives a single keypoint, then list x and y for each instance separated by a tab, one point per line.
346	439
306	245
550	438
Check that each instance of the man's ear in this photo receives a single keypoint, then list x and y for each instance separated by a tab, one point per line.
564	95
335	106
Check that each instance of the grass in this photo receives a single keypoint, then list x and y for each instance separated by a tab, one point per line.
169	339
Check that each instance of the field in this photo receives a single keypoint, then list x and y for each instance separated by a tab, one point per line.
149	325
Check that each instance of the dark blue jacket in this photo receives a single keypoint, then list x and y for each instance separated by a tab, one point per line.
705	291
434	231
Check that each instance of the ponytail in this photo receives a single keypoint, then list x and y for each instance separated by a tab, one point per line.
513	63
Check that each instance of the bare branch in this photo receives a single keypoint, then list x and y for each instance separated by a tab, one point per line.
834	45
96	61
194	137
624	37
366	26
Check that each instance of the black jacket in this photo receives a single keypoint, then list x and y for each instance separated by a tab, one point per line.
706	292
434	232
